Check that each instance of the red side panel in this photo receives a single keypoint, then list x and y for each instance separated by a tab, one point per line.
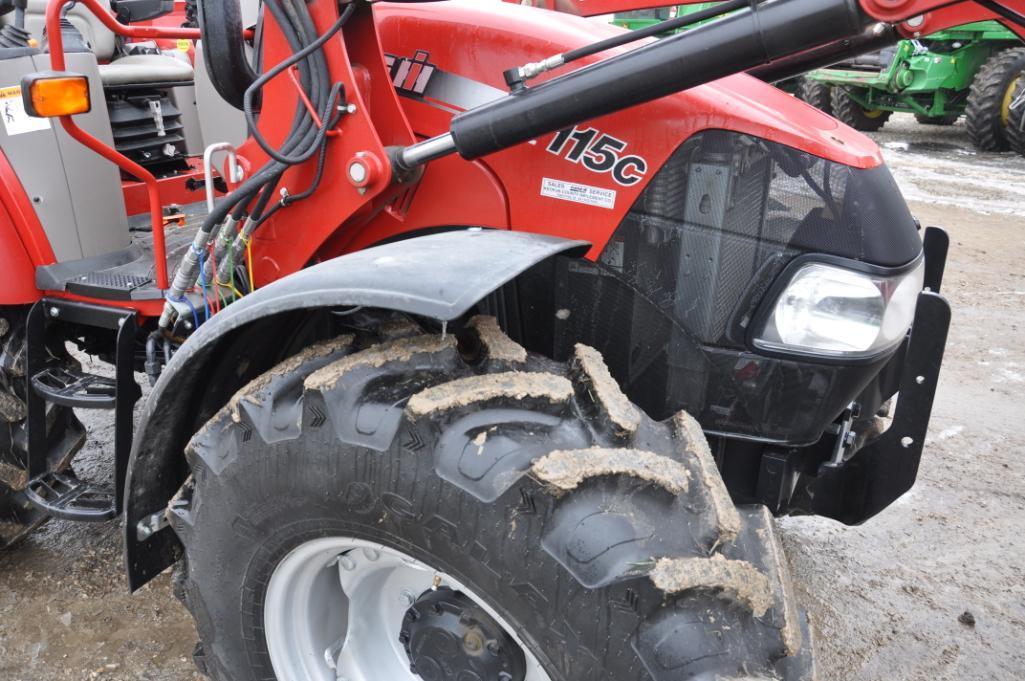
23	244
18	271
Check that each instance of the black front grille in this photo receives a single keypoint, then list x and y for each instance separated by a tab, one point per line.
148	129
675	289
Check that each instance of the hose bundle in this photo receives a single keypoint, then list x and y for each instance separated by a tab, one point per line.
248	204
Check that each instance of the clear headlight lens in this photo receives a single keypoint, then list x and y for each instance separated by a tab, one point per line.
837	312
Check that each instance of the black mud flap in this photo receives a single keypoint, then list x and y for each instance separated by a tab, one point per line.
860	487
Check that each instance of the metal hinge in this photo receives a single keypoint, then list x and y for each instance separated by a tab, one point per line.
151	524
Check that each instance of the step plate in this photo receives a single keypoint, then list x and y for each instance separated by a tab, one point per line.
62	495
107	285
72	387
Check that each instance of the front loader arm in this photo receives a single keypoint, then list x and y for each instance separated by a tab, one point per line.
757	34
917	17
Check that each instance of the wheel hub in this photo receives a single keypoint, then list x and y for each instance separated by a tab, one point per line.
448	636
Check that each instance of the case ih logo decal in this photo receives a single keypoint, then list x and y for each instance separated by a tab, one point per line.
599	153
417	78
411	76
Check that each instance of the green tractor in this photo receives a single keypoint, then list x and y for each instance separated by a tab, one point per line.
971	70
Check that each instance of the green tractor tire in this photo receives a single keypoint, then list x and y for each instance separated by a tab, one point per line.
848	111
816	93
989	102
937	120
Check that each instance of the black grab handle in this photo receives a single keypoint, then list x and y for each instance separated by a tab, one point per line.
224	49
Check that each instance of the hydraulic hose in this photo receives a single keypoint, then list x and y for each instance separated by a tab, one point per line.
303	141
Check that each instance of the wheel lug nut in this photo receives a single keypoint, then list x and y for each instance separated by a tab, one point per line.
347	563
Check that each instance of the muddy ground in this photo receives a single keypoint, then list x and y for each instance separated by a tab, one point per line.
889	599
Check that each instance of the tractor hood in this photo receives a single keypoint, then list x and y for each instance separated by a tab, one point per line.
469	44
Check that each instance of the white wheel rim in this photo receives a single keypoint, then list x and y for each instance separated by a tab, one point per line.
310	635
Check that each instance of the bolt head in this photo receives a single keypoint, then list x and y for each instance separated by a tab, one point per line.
358	172
55	311
351	108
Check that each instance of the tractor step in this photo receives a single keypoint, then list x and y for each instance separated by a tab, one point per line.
53	487
127	274
72	387
63	495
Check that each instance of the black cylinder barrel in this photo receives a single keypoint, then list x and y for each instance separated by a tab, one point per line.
872	39
741	41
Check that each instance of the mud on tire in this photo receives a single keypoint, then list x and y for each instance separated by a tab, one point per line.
606	540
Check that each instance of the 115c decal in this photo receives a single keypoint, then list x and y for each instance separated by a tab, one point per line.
599	153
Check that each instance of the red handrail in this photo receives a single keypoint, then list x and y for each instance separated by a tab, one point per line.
58	63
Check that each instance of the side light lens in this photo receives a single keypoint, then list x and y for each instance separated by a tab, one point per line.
837	312
56	94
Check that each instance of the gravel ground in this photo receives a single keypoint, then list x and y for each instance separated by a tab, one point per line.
932	589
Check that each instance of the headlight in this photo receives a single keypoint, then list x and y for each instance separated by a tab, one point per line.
836	312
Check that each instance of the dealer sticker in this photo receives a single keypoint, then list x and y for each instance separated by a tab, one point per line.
15	119
578	193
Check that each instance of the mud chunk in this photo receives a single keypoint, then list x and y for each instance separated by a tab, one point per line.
397	351
566	469
688	433
12	409
498	345
315	351
737	580
514	385
589	368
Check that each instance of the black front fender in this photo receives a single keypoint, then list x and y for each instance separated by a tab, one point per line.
441	276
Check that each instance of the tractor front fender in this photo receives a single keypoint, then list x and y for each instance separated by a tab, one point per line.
441	276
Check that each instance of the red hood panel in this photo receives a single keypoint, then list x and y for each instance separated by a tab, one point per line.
480	40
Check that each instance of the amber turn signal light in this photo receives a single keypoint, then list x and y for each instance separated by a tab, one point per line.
52	94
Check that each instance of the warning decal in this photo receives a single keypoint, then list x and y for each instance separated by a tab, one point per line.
12	112
578	193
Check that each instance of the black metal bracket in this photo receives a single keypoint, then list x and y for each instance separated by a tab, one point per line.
854	490
45	314
936	243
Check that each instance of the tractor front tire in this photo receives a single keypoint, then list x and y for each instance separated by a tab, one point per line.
987	115
848	111
816	93
65	433
937	120
529	493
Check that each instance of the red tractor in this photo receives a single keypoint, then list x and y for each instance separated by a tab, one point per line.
486	350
